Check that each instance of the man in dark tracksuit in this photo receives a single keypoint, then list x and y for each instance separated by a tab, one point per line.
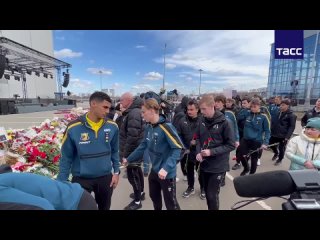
131	135
312	113
27	191
90	151
245	102
179	113
282	128
275	108
186	128
215	142
256	136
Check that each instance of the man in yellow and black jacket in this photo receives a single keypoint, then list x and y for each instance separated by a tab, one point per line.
90	151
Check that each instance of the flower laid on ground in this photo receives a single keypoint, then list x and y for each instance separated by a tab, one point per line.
37	149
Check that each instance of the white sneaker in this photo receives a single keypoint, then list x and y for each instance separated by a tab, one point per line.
177	179
185	178
259	162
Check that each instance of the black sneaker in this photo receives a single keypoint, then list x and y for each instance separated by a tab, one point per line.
223	182
133	206
244	172
188	192
236	166
143	196
202	195
275	156
277	163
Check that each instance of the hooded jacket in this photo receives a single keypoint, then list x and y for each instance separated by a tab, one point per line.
217	135
312	113
132	127
283	125
233	120
164	146
180	111
302	148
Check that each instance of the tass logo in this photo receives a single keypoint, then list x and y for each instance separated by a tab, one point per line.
288	44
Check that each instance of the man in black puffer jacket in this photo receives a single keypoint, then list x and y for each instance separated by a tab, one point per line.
131	134
312	113
282	127
180	113
186	129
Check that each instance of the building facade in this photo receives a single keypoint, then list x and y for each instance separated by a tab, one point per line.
37	86
297	79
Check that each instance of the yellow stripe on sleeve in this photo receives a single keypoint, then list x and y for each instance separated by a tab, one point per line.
267	120
169	135
65	135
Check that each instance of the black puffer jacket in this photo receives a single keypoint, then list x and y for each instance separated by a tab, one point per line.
217	135
312	113
132	128
180	111
284	124
186	130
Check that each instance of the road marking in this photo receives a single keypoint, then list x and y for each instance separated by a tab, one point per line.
261	203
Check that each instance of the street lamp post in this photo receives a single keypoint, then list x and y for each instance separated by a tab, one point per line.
200	70
100	72
164	65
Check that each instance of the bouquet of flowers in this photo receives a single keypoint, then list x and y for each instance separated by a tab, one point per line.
37	149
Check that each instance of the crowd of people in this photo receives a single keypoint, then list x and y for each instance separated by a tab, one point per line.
142	138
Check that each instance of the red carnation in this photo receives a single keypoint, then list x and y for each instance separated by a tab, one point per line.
43	155
56	158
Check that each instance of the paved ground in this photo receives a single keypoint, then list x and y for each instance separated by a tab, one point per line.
121	198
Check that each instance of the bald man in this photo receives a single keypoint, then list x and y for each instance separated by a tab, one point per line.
131	134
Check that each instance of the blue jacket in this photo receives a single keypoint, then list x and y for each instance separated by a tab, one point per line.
274	110
87	154
232	118
40	191
164	146
241	119
257	127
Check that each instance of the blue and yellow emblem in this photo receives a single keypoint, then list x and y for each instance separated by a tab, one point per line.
84	137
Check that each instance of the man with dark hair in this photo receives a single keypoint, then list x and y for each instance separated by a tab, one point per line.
231	106
256	135
312	113
186	129
282	127
90	151
241	121
275	108
179	113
